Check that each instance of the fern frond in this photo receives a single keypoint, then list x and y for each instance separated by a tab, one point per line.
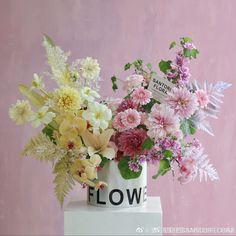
215	94
63	180
43	149
199	120
203	168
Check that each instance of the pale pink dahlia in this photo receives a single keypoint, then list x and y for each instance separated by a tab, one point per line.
141	96
133	81
161	121
183	102
130	118
117	122
130	141
202	98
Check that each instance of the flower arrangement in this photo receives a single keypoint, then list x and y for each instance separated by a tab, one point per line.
81	132
154	122
75	135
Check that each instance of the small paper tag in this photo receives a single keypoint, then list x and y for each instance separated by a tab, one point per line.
160	87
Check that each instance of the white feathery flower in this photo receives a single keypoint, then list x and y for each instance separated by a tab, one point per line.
20	112
57	60
90	68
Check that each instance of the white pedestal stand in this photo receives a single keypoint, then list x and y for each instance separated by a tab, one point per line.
82	219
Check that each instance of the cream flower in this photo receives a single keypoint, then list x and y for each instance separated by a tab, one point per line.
43	116
20	112
89	94
99	143
98	115
67	99
90	68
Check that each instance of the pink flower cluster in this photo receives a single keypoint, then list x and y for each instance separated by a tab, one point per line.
179	69
130	113
154	132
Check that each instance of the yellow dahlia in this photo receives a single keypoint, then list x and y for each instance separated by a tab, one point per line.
67	99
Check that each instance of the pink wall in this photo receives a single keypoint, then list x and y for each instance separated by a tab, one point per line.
115	32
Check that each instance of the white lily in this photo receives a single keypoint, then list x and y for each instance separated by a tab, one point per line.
99	143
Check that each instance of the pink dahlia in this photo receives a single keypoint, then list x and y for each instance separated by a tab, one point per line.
130	141
117	122
161	121
126	104
183	102
141	96
202	98
130	118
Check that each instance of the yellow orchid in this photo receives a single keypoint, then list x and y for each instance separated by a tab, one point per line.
70	140
85	171
99	143
71	123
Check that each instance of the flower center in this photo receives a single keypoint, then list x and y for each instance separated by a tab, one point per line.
65	102
98	115
130	119
70	145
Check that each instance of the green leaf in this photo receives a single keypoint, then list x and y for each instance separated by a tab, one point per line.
149	66
172	45
194	52
48	131
186	40
138	64
164	167
168	153
148	107
104	161
187	52
114	80
125	172
164	65
188	127
147	144
127	66
142	127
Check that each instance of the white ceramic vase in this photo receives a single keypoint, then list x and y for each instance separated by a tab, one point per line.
119	193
